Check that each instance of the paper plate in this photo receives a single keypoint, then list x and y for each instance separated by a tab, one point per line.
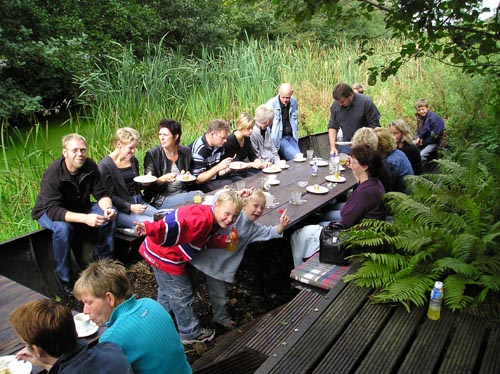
330	178
238	165
145	179
185	178
319	162
343	143
16	366
317	189
300	159
271	169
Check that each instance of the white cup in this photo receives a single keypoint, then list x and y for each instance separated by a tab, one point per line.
296	197
282	164
299	156
82	321
272	178
310	153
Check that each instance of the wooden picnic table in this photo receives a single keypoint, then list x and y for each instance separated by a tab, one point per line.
299	171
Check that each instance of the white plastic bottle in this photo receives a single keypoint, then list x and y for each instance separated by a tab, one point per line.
434	311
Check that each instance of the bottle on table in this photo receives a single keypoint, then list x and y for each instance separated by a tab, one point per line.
434	311
232	245
331	164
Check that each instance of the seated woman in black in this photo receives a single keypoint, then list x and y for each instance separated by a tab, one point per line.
239	146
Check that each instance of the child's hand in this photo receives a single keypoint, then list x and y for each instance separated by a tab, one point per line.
284	219
244	192
140	228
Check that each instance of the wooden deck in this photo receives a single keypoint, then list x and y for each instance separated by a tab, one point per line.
344	332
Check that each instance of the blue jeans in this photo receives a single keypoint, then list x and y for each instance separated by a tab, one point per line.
427	150
334	214
288	147
177	199
344	149
127	219
175	293
63	234
218	297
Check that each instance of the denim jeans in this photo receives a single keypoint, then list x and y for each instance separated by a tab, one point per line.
218	297
175	293
127	219
427	150
63	235
288	147
177	199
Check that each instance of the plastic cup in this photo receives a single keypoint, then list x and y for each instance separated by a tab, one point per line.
310	153
296	195
198	197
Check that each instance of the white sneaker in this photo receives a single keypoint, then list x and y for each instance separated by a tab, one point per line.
206	335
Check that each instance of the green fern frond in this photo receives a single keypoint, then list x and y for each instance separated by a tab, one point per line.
454	287
410	290
456	265
491	282
487	264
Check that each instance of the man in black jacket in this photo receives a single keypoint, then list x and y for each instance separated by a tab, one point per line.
64	202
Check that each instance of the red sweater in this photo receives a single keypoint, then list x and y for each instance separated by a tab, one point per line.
180	235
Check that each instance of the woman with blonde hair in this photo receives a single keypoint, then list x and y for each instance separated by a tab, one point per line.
402	133
398	162
239	144
118	170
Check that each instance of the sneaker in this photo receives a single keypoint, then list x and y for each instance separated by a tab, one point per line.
66	287
205	336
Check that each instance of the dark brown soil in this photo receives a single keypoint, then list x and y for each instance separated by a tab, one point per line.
262	284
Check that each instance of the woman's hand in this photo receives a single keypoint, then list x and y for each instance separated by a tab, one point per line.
167	178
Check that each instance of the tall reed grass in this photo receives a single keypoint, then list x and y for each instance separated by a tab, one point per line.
127	91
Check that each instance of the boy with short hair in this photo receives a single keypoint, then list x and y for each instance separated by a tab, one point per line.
175	240
430	128
220	264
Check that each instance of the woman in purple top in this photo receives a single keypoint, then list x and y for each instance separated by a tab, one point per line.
364	202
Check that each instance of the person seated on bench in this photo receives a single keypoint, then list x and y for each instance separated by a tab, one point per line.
64	202
401	133
48	330
141	327
211	170
219	265
167	161
430	130
118	171
365	202
262	143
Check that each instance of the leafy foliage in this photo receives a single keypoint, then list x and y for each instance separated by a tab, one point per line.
447	229
452	31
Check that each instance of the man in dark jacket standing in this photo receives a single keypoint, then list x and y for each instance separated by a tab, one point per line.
64	201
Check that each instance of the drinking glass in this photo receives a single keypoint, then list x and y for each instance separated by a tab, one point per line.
310	153
343	159
302	184
264	184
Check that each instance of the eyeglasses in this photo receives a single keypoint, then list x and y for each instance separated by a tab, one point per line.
75	151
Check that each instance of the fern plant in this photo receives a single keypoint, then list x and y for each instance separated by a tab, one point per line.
446	229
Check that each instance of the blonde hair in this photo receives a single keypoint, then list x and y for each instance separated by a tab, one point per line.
231	197
67	138
257	194
104	276
244	122
126	135
386	142
402	126
365	135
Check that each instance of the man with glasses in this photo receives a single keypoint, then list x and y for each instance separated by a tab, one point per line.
63	206
208	164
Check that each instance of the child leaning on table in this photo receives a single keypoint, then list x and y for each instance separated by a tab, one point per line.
220	264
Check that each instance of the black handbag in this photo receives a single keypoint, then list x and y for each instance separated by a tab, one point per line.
331	250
